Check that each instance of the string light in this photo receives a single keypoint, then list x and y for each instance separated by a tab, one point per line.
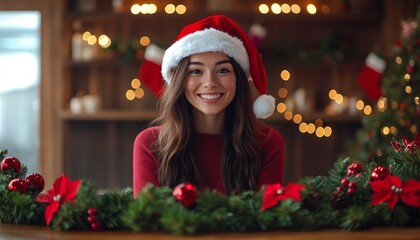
263	8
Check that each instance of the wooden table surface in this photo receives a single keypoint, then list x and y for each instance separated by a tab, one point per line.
17	232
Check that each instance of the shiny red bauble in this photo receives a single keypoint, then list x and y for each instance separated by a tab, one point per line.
186	194
18	185
36	182
10	164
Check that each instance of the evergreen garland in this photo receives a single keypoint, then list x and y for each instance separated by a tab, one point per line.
325	203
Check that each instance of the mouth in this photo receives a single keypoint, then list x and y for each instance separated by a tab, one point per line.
210	97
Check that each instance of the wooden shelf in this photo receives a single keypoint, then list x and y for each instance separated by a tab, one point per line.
109	115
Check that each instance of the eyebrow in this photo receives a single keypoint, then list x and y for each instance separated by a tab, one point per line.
217	63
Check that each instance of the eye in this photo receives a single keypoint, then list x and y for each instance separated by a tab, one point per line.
224	70
194	71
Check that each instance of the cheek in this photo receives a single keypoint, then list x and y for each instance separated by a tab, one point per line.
190	86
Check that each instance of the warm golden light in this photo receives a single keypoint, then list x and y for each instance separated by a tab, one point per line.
332	94
398	60
379	152
135	83
264	9
92	40
170	9
297	118
339	99
303	127
139	92
288	115
295	9
104	41
408	89
367	110
275	8
319	132
285	75
282	92
135	9
86	35
385	130
360	105
311	9
130	94
311	128
407	77
327	131
181	9
281	107
285	8
417	100
144	41
393	130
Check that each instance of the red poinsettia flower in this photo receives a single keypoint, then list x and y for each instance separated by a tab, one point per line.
410	146
274	193
63	191
391	188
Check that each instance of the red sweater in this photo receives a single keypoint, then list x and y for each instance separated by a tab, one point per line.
145	163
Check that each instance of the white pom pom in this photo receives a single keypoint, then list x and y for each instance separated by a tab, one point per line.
264	106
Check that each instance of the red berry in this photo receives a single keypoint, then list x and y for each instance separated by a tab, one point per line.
92	211
352	184
92	219
351	190
345	182
354	168
95	225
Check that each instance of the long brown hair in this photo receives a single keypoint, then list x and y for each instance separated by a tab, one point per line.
240	161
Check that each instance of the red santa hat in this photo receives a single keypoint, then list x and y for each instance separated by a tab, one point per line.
221	34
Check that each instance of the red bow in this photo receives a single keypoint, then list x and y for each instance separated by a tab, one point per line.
275	192
389	189
410	146
63	191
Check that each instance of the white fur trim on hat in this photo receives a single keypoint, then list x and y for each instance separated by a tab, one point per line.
207	40
264	106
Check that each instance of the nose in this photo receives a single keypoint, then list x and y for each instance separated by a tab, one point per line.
210	81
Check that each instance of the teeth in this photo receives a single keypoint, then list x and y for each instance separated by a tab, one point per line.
207	96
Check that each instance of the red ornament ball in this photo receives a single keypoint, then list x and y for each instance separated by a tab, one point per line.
18	185
379	173
10	164
36	182
354	168
95	225
186	194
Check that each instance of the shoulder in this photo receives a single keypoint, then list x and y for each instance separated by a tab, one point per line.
269	134
148	135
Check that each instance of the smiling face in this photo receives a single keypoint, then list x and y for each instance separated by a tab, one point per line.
211	83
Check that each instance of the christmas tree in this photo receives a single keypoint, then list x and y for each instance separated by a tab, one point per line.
397	112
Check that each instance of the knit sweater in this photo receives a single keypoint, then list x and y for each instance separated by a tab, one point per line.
208	158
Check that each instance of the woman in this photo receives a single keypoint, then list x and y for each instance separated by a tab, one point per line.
207	133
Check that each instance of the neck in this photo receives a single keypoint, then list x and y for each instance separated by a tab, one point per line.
209	124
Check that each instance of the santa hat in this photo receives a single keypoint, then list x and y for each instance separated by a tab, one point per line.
149	72
221	34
